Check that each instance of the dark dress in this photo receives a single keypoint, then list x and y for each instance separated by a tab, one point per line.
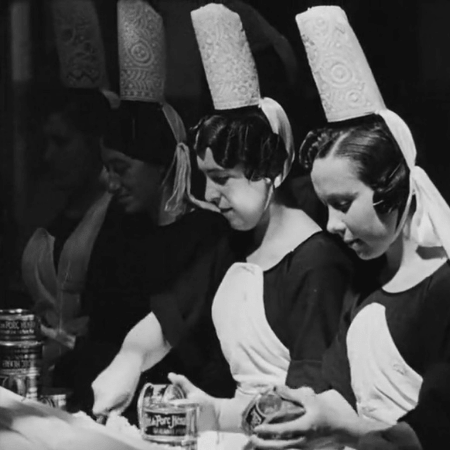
303	298
418	321
131	261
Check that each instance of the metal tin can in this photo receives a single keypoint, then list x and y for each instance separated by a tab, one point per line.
55	397
20	367
161	393
264	406
166	416
18	325
170	423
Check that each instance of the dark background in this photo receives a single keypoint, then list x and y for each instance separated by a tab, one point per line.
406	43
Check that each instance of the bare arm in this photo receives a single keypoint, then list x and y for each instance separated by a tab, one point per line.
145	341
143	347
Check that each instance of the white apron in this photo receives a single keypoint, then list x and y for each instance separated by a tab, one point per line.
386	388
257	358
57	293
255	354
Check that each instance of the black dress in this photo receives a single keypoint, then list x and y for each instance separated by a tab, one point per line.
418	321
303	298
131	261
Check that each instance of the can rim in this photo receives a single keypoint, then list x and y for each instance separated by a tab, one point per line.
21	343
12	311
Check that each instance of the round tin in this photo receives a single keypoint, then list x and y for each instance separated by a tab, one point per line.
55	397
264	406
170	423
18	325
20	367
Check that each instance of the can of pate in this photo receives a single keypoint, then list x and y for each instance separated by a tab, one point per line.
18	325
266	405
167	417
20	367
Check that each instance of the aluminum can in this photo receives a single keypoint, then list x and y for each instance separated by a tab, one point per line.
18	325
20	367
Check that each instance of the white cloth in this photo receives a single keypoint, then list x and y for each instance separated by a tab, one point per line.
279	122
256	356
56	294
431	221
385	387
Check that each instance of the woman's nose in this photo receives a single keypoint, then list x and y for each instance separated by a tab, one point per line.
335	224
212	194
113	183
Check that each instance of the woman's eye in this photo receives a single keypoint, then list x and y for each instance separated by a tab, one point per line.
342	206
221	180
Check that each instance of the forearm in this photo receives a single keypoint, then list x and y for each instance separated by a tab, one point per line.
145	342
348	427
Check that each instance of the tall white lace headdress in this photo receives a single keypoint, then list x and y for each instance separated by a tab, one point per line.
79	43
231	70
348	90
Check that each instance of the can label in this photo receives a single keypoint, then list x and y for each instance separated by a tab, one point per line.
18	325
165	423
169	423
20	367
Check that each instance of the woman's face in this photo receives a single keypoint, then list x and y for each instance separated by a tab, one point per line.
67	155
241	201
134	183
350	208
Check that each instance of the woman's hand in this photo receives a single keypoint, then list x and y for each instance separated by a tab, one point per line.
399	437
115	386
324	422
207	403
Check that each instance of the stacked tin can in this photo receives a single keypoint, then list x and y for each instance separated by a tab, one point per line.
20	352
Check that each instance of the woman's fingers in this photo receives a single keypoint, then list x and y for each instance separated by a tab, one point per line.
259	443
183	382
300	396
284	430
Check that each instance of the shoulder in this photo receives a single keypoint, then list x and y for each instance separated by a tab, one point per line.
322	250
439	283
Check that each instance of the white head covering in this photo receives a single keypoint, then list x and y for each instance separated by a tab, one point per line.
231	70
348	90
142	60
79	44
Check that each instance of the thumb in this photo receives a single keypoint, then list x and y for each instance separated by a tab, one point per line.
183	382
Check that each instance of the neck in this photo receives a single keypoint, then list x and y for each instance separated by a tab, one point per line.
401	251
270	224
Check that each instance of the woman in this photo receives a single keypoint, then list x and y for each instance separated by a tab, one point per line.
55	260
390	359
276	309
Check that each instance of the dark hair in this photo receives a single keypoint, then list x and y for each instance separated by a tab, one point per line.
140	130
241	137
369	144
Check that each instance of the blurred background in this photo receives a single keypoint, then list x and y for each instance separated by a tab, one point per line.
407	43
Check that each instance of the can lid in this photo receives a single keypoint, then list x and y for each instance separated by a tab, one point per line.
17	311
21	344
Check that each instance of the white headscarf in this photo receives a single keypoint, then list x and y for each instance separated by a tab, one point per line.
430	224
